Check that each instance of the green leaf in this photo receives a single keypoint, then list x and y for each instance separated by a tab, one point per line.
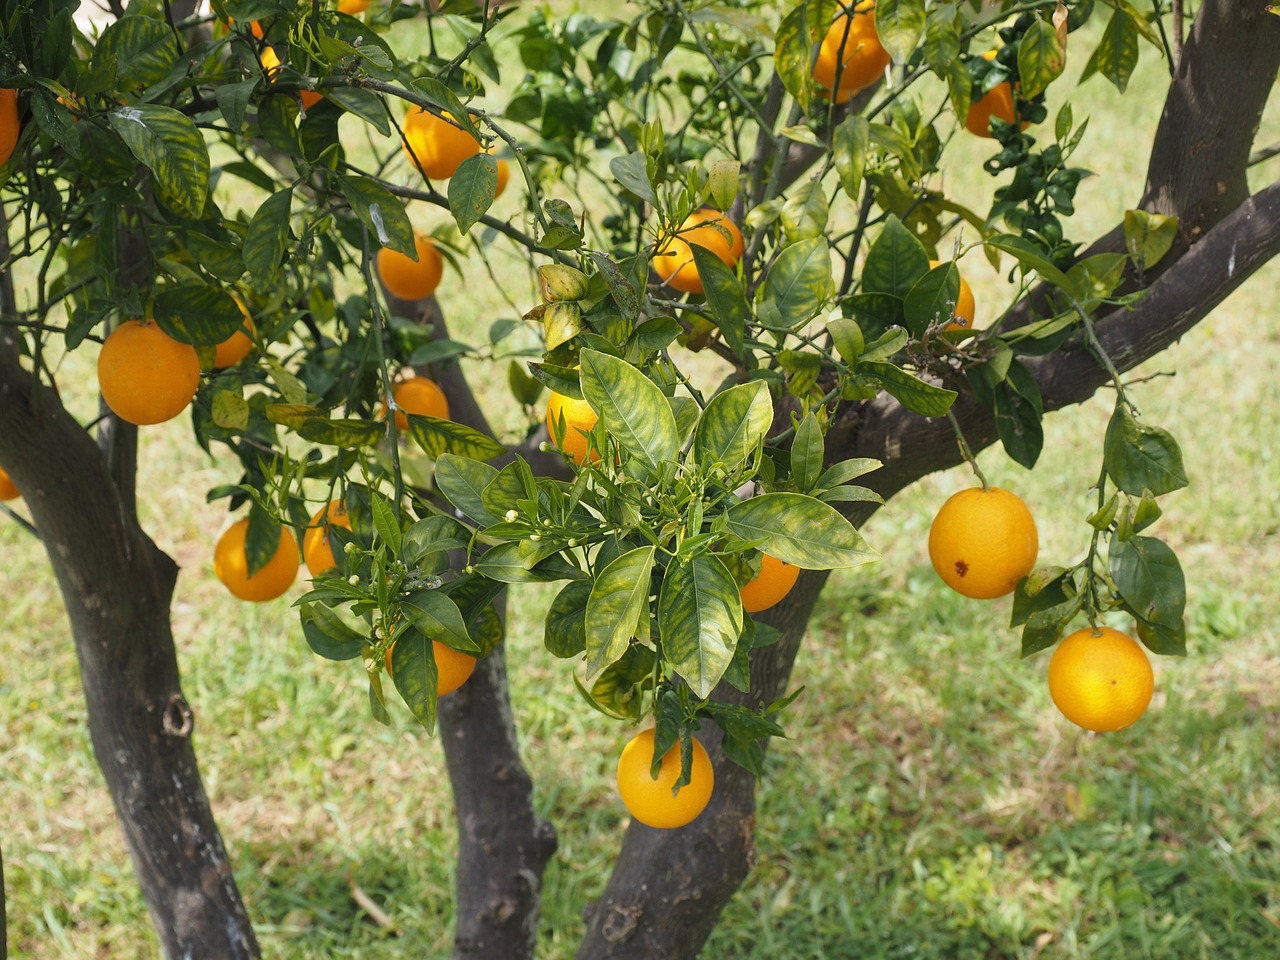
462	481
942	38
733	425
722	186
1040	58
1117	52
805	212
808	450
799	530
847	338
262	539
267	237
523	561
437	437
618	607
632	408
170	145
793	48
932	300
563	233
847	470
799	281
850	144
1147	574
899	24
198	314
632	171
381	213
413	668
439	618
724	295
230	410
1140	458
912	392
621	289
385	522
472	189
565	631
143	49
561	322
328	635
1163	639
1148	236
363	104
509	486
895	261
441	96
699	620
1045	627
55	119
348	434
1032	258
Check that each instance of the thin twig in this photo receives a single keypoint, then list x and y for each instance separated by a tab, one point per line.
20	520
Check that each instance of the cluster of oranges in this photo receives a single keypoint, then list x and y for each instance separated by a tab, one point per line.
851	58
982	543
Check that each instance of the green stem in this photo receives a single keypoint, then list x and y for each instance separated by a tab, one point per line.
966	452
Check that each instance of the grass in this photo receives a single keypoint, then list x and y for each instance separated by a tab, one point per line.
930	802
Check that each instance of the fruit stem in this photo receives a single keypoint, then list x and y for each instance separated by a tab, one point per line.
966	452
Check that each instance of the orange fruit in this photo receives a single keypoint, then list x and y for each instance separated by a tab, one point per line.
237	346
982	542
504	175
353	8
7	490
254	27
436	147
145	375
863	57
579	420
996	102
316	551
771	584
419	396
453	668
271	64
707	228
965	308
232	566
410	279
10	127
651	801
1101	679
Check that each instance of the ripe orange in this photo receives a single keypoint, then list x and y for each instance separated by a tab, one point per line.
411	279
419	396
145	375
965	307
237	346
983	542
232	566
436	146
453	668
316	551
771	584
504	174
579	420
10	127
1101	679
650	801
863	57
7	490
996	102
353	7
271	64
707	228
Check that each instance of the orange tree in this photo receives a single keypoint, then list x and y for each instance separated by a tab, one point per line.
804	231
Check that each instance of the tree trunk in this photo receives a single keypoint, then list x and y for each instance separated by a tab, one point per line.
503	845
116	585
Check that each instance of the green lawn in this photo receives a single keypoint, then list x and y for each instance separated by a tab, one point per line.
930	801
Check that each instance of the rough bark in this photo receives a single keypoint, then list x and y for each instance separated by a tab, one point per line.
116	586
503	845
669	887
